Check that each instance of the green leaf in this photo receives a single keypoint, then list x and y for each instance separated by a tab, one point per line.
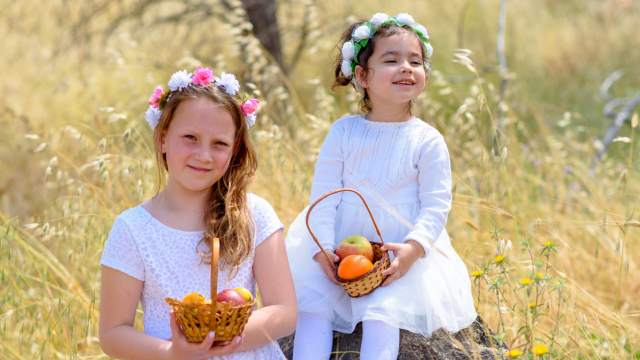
357	47
353	67
355	60
364	43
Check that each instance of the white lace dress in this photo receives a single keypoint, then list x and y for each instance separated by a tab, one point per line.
403	171
166	260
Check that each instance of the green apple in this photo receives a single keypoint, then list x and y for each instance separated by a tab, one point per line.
355	245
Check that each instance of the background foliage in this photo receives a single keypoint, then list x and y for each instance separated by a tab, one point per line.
76	151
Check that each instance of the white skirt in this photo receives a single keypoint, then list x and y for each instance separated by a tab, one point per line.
435	293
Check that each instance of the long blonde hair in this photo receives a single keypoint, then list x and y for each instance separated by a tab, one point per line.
227	215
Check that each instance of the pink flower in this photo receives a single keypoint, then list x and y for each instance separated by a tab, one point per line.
155	97
249	106
203	76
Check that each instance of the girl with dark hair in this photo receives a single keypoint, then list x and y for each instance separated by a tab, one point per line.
401	166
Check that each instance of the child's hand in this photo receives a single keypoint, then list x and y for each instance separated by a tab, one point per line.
181	349
405	256
326	266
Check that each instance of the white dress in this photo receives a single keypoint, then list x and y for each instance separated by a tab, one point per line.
403	171
166	260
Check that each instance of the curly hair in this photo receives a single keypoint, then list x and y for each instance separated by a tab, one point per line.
364	54
227	215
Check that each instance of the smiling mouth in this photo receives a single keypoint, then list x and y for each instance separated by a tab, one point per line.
404	82
194	168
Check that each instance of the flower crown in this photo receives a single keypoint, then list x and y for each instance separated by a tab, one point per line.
203	77
362	34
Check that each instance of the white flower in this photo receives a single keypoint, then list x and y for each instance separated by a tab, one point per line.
428	50
250	119
346	68
422	29
179	80
405	19
362	32
229	82
378	19
348	50
153	117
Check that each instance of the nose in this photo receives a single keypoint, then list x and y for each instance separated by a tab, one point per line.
406	68
203	155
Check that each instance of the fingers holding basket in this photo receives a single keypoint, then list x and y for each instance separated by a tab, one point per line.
326	266
226	347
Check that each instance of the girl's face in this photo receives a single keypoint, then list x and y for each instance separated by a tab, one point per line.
396	73
198	144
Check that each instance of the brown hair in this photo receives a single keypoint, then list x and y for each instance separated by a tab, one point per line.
227	215
364	54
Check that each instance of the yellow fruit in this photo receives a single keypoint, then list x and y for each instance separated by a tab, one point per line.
245	293
194	297
207	301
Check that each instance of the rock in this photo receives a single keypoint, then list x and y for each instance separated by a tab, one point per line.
474	342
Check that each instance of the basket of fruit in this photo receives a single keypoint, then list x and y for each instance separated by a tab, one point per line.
362	262
231	308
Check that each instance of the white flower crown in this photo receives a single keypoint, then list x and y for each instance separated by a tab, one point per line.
203	77
362	34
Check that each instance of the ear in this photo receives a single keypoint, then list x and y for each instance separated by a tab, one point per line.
361	76
162	142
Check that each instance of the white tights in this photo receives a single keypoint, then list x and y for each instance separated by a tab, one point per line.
314	339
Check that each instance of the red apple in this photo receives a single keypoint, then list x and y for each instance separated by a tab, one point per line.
355	245
231	296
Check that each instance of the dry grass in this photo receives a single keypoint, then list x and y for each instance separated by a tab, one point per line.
77	152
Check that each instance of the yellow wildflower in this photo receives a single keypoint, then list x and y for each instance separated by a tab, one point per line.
539	275
532	305
477	273
514	353
540	349
525	281
548	243
499	259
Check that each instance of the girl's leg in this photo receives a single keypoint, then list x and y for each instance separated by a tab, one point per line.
314	338
380	341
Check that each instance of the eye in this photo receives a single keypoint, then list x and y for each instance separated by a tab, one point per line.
390	61
220	143
190	137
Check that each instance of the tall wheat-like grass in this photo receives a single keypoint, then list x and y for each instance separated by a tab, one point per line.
550	245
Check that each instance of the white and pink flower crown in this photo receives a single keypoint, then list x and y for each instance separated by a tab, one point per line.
203	77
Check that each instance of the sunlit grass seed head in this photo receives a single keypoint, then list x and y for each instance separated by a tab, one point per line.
513	353
540	349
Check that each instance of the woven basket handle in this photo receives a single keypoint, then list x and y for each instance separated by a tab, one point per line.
327	195
215	254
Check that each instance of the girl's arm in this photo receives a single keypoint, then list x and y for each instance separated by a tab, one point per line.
327	177
434	193
279	315
119	298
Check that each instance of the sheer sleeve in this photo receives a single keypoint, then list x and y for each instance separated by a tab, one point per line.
266	219
434	192
327	177
121	252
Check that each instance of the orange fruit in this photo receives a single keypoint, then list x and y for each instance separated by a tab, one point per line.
354	266
194	297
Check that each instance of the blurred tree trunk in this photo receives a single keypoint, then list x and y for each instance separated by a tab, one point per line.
262	14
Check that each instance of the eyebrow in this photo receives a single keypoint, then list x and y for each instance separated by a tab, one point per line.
394	52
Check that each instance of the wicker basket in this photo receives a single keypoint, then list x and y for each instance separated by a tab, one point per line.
195	318
368	282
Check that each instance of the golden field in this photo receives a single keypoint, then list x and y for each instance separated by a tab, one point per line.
76	75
